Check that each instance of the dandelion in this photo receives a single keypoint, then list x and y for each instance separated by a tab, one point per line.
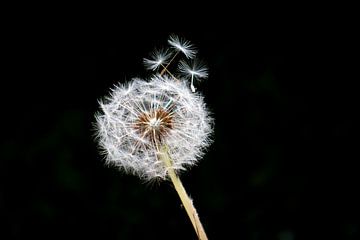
157	128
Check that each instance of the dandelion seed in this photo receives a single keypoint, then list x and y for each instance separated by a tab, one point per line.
158	58
195	70
182	45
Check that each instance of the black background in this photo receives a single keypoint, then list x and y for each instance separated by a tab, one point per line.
282	166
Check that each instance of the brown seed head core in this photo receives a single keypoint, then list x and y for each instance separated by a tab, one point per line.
154	125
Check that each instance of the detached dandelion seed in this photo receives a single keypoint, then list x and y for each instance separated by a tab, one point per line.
157	128
195	70
158	58
182	45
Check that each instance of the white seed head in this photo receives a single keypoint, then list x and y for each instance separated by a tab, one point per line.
182	45
140	117
157	58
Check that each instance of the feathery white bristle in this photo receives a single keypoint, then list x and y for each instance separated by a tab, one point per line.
195	69
182	45
157	58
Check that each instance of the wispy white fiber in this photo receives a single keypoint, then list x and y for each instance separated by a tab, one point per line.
157	58
182	45
193	70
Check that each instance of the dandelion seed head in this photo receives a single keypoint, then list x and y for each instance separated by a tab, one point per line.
138	118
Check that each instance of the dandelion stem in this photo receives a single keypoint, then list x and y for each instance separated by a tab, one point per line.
185	199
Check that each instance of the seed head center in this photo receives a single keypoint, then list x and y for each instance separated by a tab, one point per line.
154	125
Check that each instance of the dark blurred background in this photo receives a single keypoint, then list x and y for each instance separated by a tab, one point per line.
282	166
